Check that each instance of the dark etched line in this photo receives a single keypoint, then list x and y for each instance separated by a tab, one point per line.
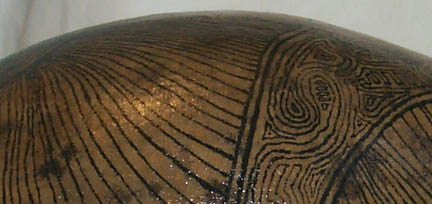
369	158
182	47
412	152
241	51
254	119
279	181
197	48
367	168
121	89
316	185
15	145
355	148
305	180
151	57
161	76
8	140
181	113
111	136
202	182
288	67
252	48
214	48
318	134
19	135
135	98
286	183
322	185
231	58
297	53
422	128
30	139
272	175
57	142
345	197
294	186
370	184
356	183
313	180
46	123
413	131
257	168
197	59
30	143
165	88
92	137
78	134
143	52
256	44
396	175
33	150
26	176
41	125
182	50
189	31
77	70
194	46
301	185
51	86
215	149
428	114
407	172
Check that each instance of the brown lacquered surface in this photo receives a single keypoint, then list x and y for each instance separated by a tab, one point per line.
216	107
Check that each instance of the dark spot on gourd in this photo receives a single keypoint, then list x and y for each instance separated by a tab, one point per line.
68	152
155	187
351	188
51	167
122	195
374	162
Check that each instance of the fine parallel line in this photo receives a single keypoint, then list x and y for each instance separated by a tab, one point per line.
111	136
54	82
152	69
92	137
153	54
63	124
187	171
177	95
121	89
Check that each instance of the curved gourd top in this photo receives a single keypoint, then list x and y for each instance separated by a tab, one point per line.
215	107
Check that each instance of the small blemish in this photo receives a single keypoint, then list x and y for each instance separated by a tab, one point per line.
155	187
69	151
52	167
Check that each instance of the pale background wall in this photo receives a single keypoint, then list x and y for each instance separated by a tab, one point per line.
403	22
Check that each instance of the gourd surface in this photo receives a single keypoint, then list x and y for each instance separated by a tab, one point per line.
215	107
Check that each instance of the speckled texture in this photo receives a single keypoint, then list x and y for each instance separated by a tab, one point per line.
215	107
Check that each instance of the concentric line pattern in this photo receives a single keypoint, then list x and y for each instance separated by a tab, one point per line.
319	106
133	116
294	134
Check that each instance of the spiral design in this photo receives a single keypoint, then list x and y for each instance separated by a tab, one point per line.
299	108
